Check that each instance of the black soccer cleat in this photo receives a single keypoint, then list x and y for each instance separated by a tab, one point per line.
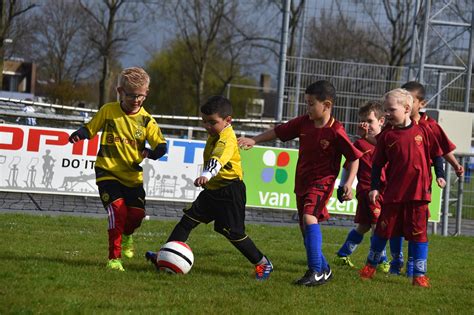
313	278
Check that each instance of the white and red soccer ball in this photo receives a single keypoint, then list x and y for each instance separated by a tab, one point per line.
175	257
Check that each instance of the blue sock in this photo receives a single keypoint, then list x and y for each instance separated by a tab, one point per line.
324	263
420	256
396	244
410	260
377	246
313	242
352	241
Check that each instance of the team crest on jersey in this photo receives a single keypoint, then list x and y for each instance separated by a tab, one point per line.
418	139
324	144
105	197
138	134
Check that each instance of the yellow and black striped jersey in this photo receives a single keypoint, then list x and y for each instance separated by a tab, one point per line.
122	141
225	150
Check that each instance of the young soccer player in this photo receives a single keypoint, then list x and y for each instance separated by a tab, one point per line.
371	117
408	148
223	198
323	141
417	91
126	126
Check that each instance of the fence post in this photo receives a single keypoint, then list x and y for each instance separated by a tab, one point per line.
446	200
460	199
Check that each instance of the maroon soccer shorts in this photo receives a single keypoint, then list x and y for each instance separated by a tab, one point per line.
409	219
367	213
314	202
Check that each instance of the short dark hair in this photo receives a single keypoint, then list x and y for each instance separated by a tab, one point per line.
414	86
322	90
372	106
217	104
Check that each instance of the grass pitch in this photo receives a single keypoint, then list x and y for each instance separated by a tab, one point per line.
57	265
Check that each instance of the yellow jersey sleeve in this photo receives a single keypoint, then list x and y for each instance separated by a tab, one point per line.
224	149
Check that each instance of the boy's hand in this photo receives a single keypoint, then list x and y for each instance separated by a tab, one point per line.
363	130
78	135
245	143
145	153
374	196
459	170
346	192
441	182
201	181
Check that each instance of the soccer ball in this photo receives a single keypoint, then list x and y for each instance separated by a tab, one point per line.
175	257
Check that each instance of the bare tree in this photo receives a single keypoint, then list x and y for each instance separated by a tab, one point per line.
113	24
63	49
198	24
10	11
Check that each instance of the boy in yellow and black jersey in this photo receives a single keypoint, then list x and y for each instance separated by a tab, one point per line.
126	127
223	198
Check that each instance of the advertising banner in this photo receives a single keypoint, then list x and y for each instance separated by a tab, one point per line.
41	160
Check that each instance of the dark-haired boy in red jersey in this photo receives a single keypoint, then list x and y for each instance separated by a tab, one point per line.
417	91
371	117
323	141
408	148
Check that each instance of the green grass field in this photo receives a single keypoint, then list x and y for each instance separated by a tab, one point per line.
56	265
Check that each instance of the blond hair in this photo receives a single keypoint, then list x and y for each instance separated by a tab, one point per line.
134	77
402	96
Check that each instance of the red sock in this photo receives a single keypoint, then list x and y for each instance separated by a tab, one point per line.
134	219
117	211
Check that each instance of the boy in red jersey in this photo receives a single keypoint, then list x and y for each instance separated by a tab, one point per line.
417	91
371	117
323	141
408	148
126	126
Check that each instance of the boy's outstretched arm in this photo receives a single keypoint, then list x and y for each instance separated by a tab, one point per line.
248	143
352	168
78	135
458	168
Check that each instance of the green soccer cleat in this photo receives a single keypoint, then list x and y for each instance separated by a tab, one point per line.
343	261
115	264
384	267
127	246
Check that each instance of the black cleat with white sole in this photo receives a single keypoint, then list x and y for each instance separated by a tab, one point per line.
313	278
328	274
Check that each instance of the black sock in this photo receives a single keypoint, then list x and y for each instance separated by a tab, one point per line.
249	250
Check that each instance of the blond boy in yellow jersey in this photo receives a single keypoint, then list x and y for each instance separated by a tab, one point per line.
223	198
126	127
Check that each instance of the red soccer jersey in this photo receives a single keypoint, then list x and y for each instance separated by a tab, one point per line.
320	151
408	152
445	144
365	166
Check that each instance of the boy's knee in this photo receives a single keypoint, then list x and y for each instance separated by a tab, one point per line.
231	235
187	223
362	228
309	219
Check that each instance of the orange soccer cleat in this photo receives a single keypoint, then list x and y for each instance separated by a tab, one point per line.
367	272
421	281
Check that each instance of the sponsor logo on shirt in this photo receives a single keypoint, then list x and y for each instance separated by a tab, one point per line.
110	138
